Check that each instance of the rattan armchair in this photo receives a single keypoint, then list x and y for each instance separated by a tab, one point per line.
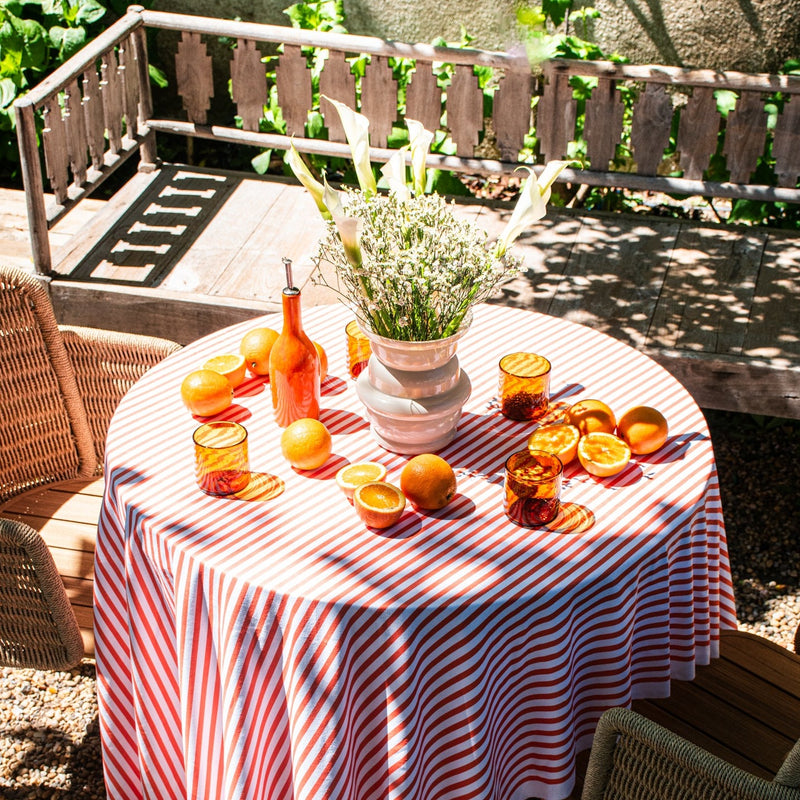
59	387
633	758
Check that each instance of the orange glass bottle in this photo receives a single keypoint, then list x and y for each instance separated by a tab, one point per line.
294	369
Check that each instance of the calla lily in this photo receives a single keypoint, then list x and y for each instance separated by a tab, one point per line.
420	141
347	226
532	204
394	170
356	129
303	174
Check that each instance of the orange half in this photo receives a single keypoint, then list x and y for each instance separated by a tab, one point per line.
559	439
352	476
379	504
231	365
603	454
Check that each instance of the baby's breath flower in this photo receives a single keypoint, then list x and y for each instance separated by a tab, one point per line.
422	268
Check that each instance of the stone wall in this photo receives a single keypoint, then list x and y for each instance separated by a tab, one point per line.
749	35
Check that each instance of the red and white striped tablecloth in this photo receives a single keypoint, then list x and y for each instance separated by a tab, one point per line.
279	649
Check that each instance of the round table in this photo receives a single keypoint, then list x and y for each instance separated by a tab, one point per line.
272	646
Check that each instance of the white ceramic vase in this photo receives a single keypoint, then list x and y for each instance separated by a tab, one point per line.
414	391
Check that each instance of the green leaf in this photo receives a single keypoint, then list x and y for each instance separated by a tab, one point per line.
557	10
67	40
8	92
89	11
261	162
726	101
35	54
157	76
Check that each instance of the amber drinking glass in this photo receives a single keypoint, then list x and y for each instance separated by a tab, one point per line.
524	386
222	464
358	349
532	487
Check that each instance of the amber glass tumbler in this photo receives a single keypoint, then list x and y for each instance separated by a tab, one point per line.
221	460
524	386
532	487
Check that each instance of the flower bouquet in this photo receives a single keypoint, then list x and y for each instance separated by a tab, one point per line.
405	263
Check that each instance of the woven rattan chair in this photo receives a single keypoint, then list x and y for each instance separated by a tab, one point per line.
38	628
59	387
633	758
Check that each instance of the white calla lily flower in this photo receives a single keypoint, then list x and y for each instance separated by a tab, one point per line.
531	205
394	170
356	129
420	140
311	184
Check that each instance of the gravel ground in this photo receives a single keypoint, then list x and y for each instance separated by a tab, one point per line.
49	742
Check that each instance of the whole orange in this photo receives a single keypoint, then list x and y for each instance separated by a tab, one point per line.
428	481
591	416
255	347
323	361
205	392
644	428
306	443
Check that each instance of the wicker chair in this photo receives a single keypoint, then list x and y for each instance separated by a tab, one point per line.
59	387
634	758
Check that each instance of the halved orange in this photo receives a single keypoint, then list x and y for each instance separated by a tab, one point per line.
603	454
231	365
590	415
352	476
379	504
559	439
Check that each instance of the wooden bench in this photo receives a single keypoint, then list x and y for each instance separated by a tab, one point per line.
716	304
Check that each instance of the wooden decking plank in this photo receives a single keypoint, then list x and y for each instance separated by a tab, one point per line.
658	714
773	325
79	590
708	291
614	275
54	505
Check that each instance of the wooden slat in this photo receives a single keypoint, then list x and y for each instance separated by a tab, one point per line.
55	149
248	84
424	98
745	136
193	73
129	79
111	92
465	110
336	82
786	144
93	115
775	310
75	129
379	100
650	128
697	132
603	128
555	117
294	89
512	115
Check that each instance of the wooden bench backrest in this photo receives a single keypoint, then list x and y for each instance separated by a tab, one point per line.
98	110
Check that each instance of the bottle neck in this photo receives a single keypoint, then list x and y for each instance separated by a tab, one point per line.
292	320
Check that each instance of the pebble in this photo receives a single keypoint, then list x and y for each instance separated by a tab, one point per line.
49	740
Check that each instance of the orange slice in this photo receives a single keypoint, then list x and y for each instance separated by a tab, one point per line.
603	454
589	416
231	365
559	439
352	476
379	504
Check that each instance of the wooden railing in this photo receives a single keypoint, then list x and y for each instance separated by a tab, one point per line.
98	110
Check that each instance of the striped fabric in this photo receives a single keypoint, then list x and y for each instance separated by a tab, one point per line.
276	648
